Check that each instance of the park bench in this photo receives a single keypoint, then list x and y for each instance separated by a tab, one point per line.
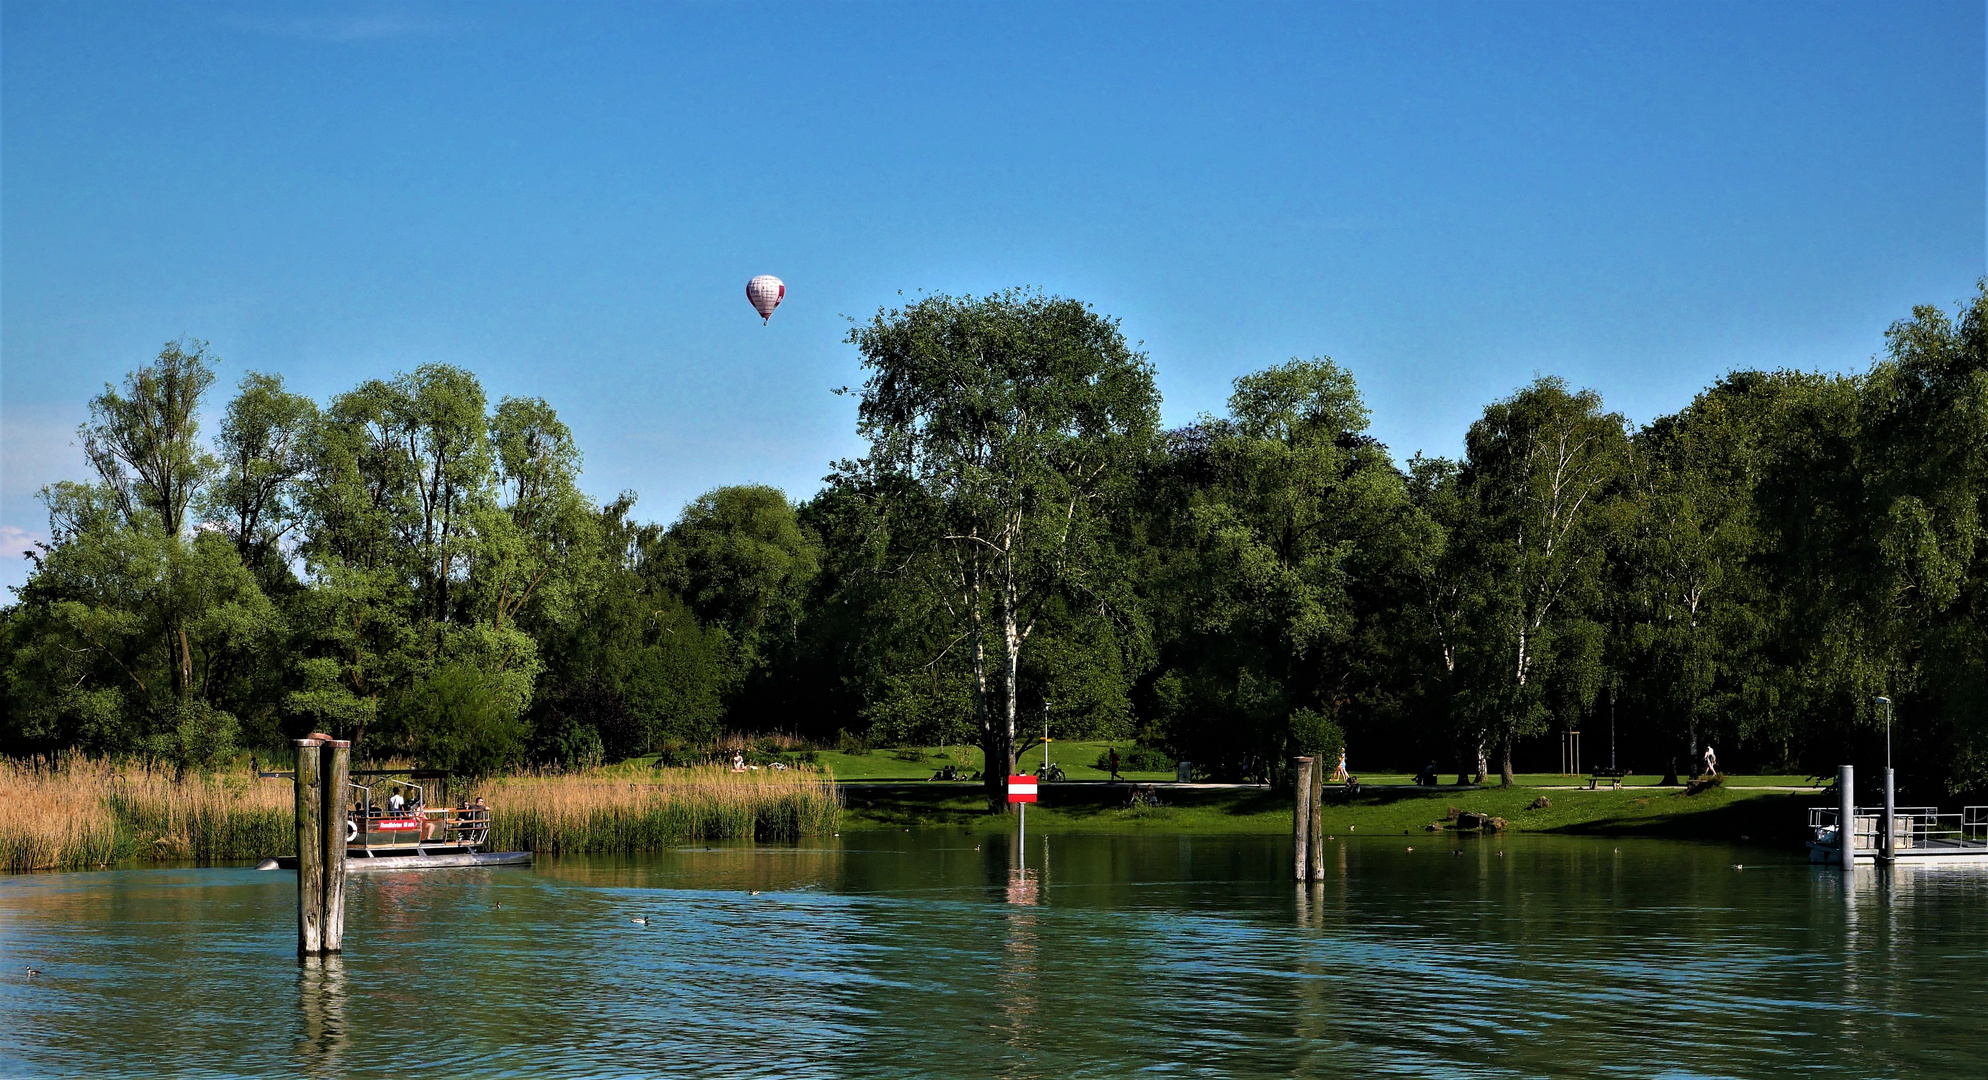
1613	776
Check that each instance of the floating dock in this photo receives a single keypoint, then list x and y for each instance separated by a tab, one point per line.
359	864
1919	834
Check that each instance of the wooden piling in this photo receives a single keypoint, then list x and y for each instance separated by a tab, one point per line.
1318	823
337	776
1301	816
310	848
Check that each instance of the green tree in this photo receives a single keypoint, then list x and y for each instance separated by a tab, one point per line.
1014	423
262	455
1536	470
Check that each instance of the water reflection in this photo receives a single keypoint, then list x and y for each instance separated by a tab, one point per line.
936	953
321	1007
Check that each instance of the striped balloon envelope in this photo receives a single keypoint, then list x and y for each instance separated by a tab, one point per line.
765	292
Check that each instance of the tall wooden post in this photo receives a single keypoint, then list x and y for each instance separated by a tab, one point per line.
337	776
1301	817
310	849
1317	802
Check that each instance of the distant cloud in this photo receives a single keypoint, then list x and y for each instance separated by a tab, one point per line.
377	27
16	541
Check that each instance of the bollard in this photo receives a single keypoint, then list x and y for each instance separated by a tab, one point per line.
1888	847
310	849
337	777
1846	816
1301	817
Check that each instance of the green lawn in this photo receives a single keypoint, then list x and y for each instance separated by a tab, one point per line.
1077	759
1732	813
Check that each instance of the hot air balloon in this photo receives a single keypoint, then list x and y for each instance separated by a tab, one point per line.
765	292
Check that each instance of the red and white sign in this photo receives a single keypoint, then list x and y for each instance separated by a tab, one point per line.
396	825
1021	789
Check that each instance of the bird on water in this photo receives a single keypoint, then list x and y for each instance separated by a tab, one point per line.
640	920
33	972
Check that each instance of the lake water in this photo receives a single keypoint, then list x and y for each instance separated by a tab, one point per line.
914	954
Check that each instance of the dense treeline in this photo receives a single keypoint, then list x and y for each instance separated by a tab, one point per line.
411	566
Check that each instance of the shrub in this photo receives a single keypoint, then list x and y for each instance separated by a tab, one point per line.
909	753
1316	734
851	744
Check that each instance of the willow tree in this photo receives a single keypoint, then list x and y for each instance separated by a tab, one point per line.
1008	427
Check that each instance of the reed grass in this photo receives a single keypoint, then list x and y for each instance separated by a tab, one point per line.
596	812
84	813
81	813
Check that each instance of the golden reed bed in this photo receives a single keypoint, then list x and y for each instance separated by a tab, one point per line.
82	813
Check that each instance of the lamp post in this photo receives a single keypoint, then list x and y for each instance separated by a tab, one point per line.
1888	846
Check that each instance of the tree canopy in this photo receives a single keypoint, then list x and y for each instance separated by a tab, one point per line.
1021	543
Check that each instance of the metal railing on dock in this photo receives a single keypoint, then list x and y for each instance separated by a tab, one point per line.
1914	828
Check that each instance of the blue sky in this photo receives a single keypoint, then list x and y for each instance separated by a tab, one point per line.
569	198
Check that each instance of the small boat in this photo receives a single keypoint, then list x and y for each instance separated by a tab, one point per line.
413	828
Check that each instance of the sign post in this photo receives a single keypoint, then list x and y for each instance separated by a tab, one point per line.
1021	789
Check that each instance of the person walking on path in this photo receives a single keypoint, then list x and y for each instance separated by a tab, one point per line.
1340	774
1711	761
1114	763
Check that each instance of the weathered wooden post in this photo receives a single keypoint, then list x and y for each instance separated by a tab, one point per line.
1318	823
1301	817
310	848
337	776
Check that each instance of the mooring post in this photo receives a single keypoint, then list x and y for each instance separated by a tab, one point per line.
1888	848
310	849
1301	818
337	776
1846	816
1317	802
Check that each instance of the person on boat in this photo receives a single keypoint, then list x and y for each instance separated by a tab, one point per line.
395	804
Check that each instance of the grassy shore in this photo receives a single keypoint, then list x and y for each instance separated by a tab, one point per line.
1731	812
83	813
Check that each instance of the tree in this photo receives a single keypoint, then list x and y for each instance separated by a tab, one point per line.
1015	421
1276	516
262	451
143	443
1536	469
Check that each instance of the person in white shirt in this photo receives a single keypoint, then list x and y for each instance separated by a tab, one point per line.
395	803
1711	761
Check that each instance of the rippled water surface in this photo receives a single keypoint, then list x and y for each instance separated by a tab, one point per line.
918	954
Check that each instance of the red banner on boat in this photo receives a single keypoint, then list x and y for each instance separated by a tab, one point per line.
1021	789
395	826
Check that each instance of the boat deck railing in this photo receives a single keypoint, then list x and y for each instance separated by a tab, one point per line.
1913	827
422	828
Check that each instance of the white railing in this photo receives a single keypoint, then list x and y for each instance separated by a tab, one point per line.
1913	827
